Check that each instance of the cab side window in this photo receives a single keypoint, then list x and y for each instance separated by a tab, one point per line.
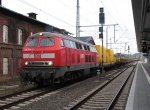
61	43
72	44
67	43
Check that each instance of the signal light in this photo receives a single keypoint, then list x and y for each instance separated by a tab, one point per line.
101	10
101	29
101	16
144	49
101	35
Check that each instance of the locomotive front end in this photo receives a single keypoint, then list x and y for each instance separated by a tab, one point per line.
39	56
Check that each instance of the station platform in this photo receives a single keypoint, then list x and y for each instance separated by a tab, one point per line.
139	96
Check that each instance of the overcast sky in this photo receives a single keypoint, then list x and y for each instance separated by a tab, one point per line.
62	14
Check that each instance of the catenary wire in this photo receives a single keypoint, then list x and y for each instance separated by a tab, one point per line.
24	2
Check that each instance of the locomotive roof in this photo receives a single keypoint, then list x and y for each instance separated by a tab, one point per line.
60	35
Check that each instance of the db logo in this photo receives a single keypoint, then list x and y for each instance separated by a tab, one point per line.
37	55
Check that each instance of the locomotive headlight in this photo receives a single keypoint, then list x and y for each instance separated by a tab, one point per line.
26	63
50	63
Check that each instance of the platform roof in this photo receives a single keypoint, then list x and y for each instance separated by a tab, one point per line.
141	14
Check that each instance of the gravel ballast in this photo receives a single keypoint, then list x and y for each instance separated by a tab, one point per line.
61	98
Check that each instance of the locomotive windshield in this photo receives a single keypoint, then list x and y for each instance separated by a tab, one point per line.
47	42
32	42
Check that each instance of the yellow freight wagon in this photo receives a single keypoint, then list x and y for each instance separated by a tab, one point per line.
108	56
108	59
111	58
99	50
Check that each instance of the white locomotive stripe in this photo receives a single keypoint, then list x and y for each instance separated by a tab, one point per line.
28	55
48	55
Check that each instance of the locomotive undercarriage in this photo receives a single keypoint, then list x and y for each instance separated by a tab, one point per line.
37	75
50	75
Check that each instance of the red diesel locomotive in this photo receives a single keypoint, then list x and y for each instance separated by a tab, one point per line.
49	57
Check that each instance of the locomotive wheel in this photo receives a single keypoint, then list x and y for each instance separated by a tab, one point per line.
52	82
61	80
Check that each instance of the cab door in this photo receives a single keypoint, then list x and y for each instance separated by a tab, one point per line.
68	55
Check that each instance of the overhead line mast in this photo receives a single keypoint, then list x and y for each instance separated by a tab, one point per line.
78	20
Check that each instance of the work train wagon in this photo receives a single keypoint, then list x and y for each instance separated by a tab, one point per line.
50	56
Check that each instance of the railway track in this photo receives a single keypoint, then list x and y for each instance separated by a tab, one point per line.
25	97
105	96
14	99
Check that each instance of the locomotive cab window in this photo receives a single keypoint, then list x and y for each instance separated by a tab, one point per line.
88	48
47	42
85	48
72	44
67	43
62	43
32	42
80	46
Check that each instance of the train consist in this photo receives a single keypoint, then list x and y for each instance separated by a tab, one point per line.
50	57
